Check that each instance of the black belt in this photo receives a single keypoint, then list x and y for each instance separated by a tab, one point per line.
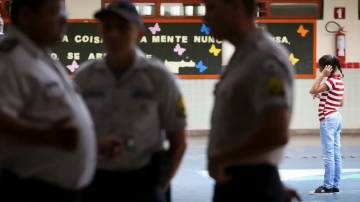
126	186
15	189
255	183
249	171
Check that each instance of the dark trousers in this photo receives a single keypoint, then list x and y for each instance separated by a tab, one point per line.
258	183
131	186
15	189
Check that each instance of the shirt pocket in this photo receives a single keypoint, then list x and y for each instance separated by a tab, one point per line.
48	103
95	101
145	123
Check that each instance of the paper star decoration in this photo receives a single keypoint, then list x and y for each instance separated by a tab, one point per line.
302	31
214	50
293	59
201	66
73	67
155	29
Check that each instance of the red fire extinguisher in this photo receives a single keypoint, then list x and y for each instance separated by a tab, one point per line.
340	46
339	41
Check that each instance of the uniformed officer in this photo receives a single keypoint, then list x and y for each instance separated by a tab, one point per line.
135	104
38	101
253	104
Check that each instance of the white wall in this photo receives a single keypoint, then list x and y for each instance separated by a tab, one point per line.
82	9
199	93
305	108
326	41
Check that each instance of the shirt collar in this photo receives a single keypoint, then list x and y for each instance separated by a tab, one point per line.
137	64
336	75
28	44
251	41
247	46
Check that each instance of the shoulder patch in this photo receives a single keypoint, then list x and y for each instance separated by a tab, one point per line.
8	44
275	86
180	106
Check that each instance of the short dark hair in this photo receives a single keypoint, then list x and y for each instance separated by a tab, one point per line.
16	5
250	6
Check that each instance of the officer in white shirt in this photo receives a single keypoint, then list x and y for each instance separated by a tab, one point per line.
135	104
38	100
253	105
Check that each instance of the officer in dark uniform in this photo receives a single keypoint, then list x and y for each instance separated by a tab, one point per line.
136	105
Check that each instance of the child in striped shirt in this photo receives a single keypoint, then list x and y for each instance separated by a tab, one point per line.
329	88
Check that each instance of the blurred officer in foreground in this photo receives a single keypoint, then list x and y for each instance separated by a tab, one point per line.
136	105
253	104
47	147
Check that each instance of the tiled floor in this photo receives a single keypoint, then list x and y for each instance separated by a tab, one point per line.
301	169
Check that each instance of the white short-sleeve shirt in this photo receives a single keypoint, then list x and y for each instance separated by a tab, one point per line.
135	107
259	77
36	89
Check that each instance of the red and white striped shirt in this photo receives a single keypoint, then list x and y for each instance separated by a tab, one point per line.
330	101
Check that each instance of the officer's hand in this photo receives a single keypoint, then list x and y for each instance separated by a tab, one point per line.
109	147
291	194
217	171
63	135
327	71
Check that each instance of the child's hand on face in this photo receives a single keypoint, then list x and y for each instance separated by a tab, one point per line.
327	71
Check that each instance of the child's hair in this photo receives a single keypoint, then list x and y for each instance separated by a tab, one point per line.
333	61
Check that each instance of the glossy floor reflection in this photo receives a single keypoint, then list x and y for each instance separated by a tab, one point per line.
301	169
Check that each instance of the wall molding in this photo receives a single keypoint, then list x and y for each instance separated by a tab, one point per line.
348	65
351	65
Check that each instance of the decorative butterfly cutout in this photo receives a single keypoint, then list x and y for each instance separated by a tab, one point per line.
205	29
302	31
293	59
201	66
155	29
73	67
179	50
214	50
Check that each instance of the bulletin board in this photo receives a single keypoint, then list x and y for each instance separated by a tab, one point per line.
187	48
299	37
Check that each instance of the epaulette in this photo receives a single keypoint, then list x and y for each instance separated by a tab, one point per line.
8	44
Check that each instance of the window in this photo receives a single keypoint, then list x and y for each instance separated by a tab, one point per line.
105	3
146	9
182	9
294	9
262	9
290	9
4	9
168	8
268	9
